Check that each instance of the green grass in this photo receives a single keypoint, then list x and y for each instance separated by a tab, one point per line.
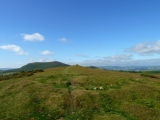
152	72
68	93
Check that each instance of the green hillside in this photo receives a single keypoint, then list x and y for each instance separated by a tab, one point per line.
38	65
80	93
42	65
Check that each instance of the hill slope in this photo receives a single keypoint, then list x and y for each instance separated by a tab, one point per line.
75	92
42	65
38	65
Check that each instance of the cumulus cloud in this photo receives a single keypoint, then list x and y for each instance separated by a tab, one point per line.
14	48
31	60
81	55
115	60
146	48
45	60
47	52
64	40
107	62
119	57
33	37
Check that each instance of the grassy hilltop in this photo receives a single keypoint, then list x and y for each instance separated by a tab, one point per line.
80	93
37	65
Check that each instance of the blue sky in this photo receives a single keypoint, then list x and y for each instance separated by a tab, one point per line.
85	32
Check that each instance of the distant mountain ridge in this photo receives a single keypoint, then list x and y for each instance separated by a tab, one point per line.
130	68
1	69
39	65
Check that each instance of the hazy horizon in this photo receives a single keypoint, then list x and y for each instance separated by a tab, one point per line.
87	65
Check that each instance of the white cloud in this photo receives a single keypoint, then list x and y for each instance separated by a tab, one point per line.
14	48
64	40
31	60
81	55
115	60
106	62
45	60
119	57
145	48
33	37
47	52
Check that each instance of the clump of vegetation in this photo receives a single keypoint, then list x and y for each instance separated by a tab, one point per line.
20	74
148	75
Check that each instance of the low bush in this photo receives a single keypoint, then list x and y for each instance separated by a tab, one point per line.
148	75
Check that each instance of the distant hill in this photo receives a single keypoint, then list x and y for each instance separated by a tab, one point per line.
42	65
39	65
1	69
131	68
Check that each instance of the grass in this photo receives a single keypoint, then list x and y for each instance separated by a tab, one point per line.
68	93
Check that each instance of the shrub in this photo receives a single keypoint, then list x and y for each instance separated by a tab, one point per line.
148	75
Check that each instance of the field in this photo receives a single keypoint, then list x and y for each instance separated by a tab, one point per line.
80	93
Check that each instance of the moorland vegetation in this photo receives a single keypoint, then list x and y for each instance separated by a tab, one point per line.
80	93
